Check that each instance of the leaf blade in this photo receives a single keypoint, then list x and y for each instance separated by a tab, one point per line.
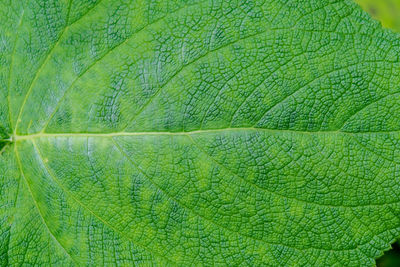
198	132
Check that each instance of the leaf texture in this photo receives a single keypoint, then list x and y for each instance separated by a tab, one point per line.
185	132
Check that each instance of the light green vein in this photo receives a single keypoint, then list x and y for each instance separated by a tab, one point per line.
53	177
44	63
196	132
38	208
11	68
101	58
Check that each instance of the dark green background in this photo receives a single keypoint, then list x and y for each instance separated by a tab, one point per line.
388	13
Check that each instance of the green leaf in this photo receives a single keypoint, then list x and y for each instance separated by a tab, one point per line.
180	132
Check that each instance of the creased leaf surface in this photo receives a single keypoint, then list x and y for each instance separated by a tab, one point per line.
179	132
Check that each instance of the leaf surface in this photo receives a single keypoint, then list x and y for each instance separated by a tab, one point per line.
180	132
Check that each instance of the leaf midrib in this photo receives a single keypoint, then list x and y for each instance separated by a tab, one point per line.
16	138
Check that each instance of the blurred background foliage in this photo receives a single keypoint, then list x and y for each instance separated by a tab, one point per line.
388	13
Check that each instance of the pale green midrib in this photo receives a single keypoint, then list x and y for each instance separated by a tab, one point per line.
16	138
